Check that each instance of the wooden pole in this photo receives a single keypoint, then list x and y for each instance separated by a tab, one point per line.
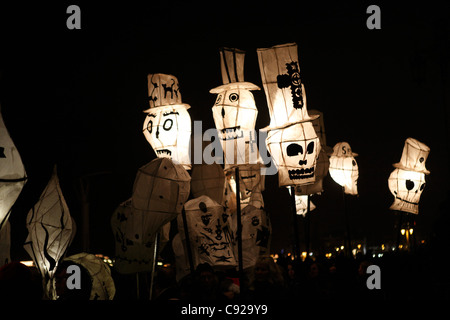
308	226
155	254
294	223
347	226
188	241
239	223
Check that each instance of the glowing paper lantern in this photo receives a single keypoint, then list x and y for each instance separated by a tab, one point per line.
209	232
208	180
167	126
160	190
103	287
343	167
407	181
12	174
285	93
294	150
301	204
235	111
50	231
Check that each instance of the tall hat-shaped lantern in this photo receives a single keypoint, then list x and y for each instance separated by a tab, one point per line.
235	111
407	181
291	140
344	168
167	126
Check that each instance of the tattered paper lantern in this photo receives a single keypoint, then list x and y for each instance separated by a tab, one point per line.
208	180
50	232
343	167
301	204
294	150
12	174
407	181
234	111
167	126
209	232
160	190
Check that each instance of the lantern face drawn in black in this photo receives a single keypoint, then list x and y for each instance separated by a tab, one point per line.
167	126
407	181
295	150
407	187
344	168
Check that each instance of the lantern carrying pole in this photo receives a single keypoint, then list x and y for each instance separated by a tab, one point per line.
294	222
308	226
155	254
347	226
188	240
239	223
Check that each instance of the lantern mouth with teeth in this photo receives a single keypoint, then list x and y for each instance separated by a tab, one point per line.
303	173
164	153
232	133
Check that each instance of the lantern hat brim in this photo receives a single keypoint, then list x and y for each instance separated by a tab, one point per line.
288	124
174	106
401	166
235	85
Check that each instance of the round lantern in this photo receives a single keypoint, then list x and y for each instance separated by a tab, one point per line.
160	190
167	126
407	181
344	168
295	150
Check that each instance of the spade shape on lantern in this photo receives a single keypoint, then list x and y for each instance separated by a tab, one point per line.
167	126
407	181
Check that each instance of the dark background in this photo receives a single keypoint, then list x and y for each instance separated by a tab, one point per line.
75	98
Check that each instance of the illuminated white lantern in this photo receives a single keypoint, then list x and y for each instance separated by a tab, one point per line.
12	174
235	111
160	190
209	233
285	93
50	232
167	126
295	150
407	181
343	167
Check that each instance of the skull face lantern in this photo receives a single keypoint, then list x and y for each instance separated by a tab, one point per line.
344	168
407	181
295	150
234	111
167	126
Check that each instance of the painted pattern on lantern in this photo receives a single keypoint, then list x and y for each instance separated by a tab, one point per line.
167	126
407	181
344	168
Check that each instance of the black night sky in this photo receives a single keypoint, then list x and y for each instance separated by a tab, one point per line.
75	98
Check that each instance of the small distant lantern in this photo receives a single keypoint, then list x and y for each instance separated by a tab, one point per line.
235	111
301	204
167	126
407	181
344	168
160	190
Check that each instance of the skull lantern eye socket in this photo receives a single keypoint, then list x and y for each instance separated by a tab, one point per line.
168	123
150	126
219	98
310	147
233	97
422	186
409	184
294	149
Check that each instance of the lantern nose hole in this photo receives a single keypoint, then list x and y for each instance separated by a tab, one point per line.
302	162
157	132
